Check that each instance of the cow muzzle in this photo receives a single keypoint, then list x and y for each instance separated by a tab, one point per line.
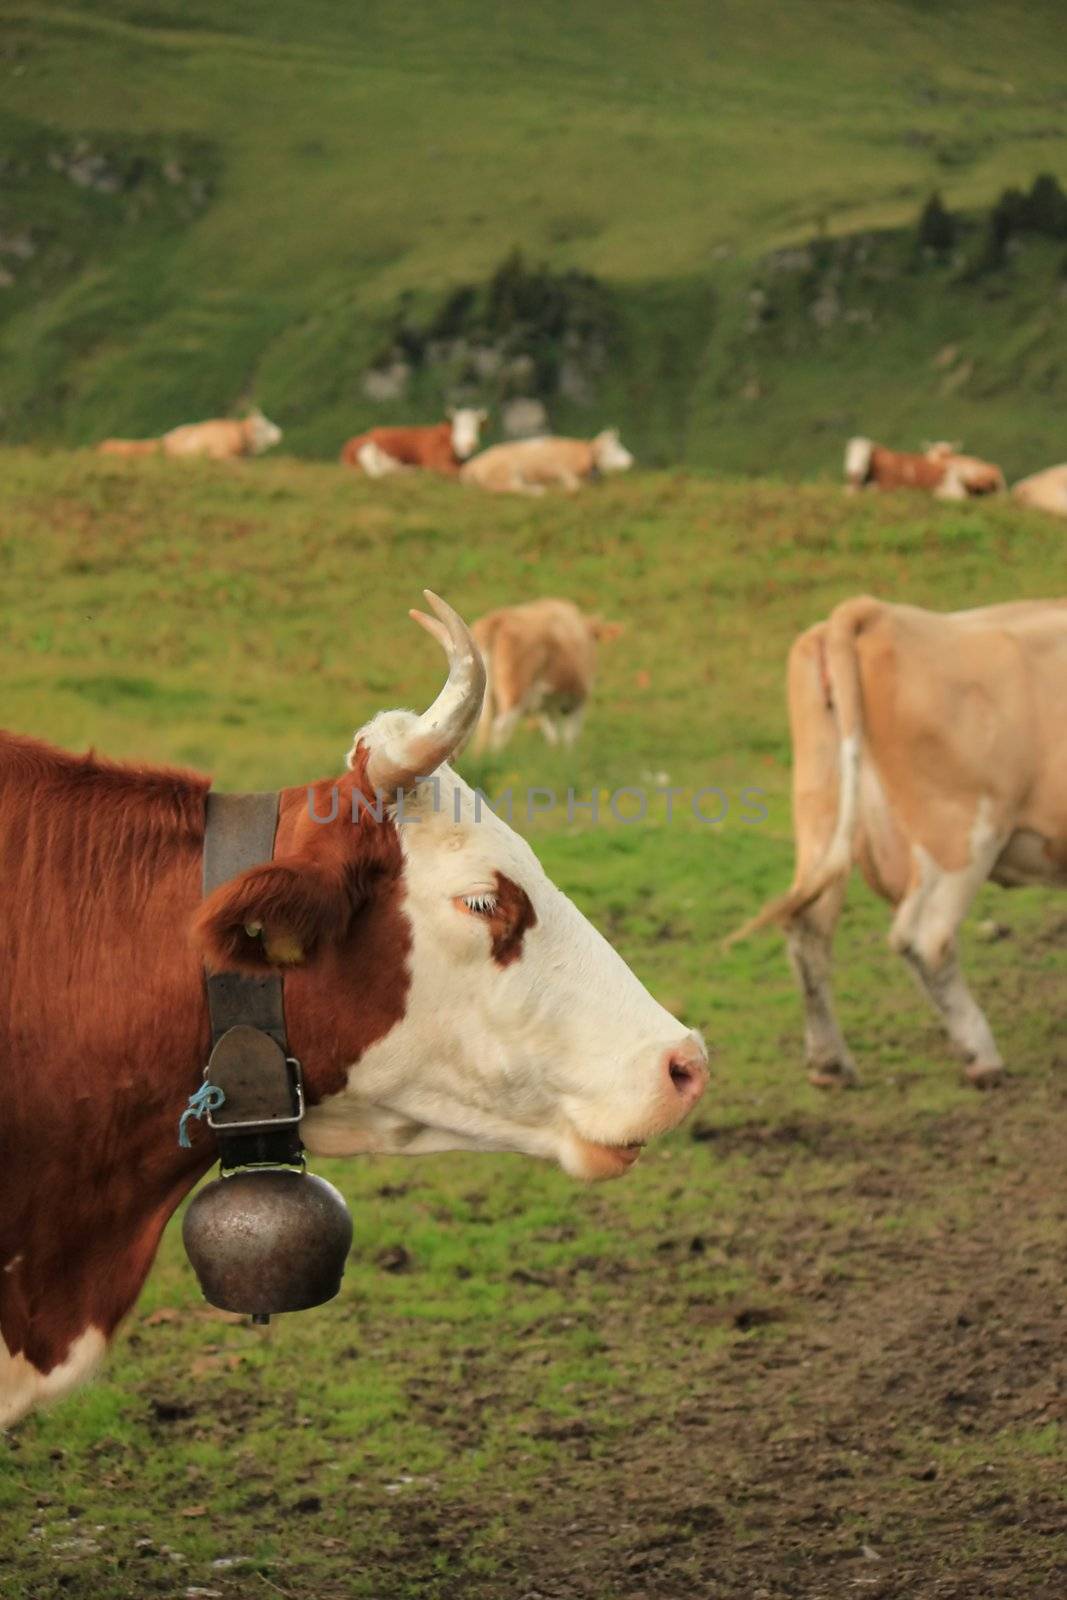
680	1076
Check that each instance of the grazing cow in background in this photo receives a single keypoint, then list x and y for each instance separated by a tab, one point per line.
540	660
928	749
939	470
530	466
221	439
440	447
440	992
1047	491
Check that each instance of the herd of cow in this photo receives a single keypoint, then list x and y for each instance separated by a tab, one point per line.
526	466
440	992
532	466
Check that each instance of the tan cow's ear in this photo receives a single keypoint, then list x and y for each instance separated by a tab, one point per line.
606	631
272	918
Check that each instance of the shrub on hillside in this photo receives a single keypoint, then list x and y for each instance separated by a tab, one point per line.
1043	211
1045	207
937	227
526	329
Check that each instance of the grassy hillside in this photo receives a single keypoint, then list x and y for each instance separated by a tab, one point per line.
802	1328
329	162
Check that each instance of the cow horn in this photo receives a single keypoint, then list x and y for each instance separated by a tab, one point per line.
443	730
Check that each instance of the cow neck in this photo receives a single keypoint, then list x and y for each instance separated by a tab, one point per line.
239	834
251	1082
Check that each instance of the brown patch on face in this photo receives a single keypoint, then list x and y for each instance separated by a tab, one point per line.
508	924
356	990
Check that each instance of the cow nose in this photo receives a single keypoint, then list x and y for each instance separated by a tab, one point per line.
686	1065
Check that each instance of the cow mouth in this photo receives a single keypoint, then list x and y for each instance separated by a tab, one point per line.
597	1160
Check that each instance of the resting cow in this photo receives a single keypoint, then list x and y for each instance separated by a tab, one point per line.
928	749
540	660
218	440
1046	491
939	470
967	477
440	447
530	466
440	992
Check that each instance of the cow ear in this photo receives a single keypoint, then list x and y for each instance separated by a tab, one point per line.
273	917
606	631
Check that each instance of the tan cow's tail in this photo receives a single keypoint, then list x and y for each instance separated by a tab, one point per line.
826	717
128	447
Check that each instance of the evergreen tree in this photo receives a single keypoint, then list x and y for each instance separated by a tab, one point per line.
937	227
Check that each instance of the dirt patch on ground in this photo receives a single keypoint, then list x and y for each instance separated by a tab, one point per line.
881	1418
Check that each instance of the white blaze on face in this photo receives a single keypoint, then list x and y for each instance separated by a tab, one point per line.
857	459
466	430
263	433
609	452
558	1051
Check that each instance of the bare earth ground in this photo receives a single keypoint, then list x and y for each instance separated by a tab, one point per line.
878	1414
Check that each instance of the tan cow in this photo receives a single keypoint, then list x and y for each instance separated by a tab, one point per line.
928	749
530	466
1047	491
218	440
540	660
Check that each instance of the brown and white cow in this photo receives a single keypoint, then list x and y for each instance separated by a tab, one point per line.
440	991
1046	491
220	439
939	470
530	466
928	749
540	660
439	447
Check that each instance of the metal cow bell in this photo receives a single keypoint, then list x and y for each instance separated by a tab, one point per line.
265	1236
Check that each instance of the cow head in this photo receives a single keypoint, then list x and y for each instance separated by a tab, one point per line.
262	433
604	632
467	425
501	1019
609	452
858	453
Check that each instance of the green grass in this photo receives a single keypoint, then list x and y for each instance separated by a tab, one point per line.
348	159
715	1375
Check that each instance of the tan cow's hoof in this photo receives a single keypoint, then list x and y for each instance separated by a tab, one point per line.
983	1077
833	1076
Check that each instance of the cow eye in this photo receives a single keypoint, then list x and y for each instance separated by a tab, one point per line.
479	905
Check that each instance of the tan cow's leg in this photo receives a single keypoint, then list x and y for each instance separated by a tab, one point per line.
570	726
549	728
504	725
924	933
962	1016
809	937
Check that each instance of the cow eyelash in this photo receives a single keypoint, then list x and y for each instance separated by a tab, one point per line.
482	905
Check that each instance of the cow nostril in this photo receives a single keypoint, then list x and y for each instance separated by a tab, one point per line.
682	1076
